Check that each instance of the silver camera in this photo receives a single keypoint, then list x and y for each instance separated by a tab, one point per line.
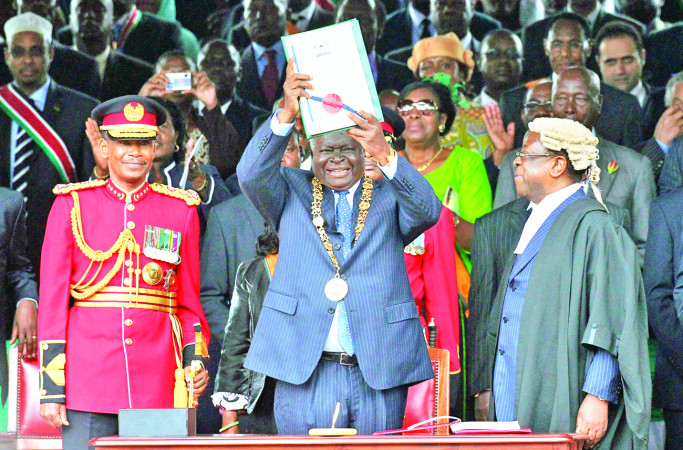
179	81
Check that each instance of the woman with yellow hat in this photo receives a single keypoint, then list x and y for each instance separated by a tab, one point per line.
445	60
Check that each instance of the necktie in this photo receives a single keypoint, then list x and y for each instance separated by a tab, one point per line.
424	29
23	149
270	78
344	219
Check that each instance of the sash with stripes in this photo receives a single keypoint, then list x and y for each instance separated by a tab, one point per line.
30	120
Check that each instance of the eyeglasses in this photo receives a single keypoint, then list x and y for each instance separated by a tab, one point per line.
345	152
572	45
497	55
424	107
535	106
532	155
34	52
578	100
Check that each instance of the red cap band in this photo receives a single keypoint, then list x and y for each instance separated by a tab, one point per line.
133	114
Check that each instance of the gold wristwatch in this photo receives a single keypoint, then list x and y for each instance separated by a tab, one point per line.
390	158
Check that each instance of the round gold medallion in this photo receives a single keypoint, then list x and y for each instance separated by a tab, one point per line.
152	273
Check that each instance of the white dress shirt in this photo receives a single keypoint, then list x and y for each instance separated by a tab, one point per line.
541	212
640	93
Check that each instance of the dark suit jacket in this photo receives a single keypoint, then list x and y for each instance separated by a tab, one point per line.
124	75
663	279
69	68
240	114
536	64
249	87
392	74
230	238
388	340
620	120
652	151
664	55
235	33
398	30
495	237
16	276
66	111
151	38
653	109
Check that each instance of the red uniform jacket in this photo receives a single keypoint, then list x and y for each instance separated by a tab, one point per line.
116	357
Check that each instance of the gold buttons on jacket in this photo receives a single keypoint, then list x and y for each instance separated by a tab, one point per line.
128	322
130	207
129	341
130	225
126	281
45	346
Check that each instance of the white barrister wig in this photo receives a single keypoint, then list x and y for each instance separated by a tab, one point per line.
574	138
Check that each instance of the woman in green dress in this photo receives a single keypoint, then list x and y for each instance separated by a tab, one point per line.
428	111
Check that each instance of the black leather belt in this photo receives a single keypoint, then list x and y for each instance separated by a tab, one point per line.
342	358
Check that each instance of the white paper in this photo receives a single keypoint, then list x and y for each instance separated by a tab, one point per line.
331	57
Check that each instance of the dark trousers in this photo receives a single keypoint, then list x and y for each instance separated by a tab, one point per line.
674	429
298	408
261	420
208	417
85	426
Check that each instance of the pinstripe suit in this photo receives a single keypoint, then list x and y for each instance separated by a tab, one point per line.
296	316
495	236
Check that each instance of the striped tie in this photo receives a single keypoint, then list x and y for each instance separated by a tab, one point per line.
23	149
344	222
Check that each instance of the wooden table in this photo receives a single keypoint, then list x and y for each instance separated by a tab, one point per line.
478	442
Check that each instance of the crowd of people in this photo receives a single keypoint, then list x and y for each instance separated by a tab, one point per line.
297	273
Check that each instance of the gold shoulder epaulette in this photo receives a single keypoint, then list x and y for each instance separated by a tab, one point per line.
62	189
188	196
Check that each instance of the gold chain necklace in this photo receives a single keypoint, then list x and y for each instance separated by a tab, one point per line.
431	160
319	222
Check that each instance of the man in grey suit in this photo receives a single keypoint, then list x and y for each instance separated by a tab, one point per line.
18	288
339	323
626	177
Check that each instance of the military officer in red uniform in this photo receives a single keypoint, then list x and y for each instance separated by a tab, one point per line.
120	319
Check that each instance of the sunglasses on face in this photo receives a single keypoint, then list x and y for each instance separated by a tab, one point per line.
424	107
34	52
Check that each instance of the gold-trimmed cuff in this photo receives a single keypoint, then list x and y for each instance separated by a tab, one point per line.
52	376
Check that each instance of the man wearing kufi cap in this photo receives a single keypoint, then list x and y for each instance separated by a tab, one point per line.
42	126
568	332
120	320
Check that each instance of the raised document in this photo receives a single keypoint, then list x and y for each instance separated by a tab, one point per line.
336	59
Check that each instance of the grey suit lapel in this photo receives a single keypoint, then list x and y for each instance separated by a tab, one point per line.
606	178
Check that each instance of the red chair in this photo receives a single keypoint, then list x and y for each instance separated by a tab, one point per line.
430	398
31	431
